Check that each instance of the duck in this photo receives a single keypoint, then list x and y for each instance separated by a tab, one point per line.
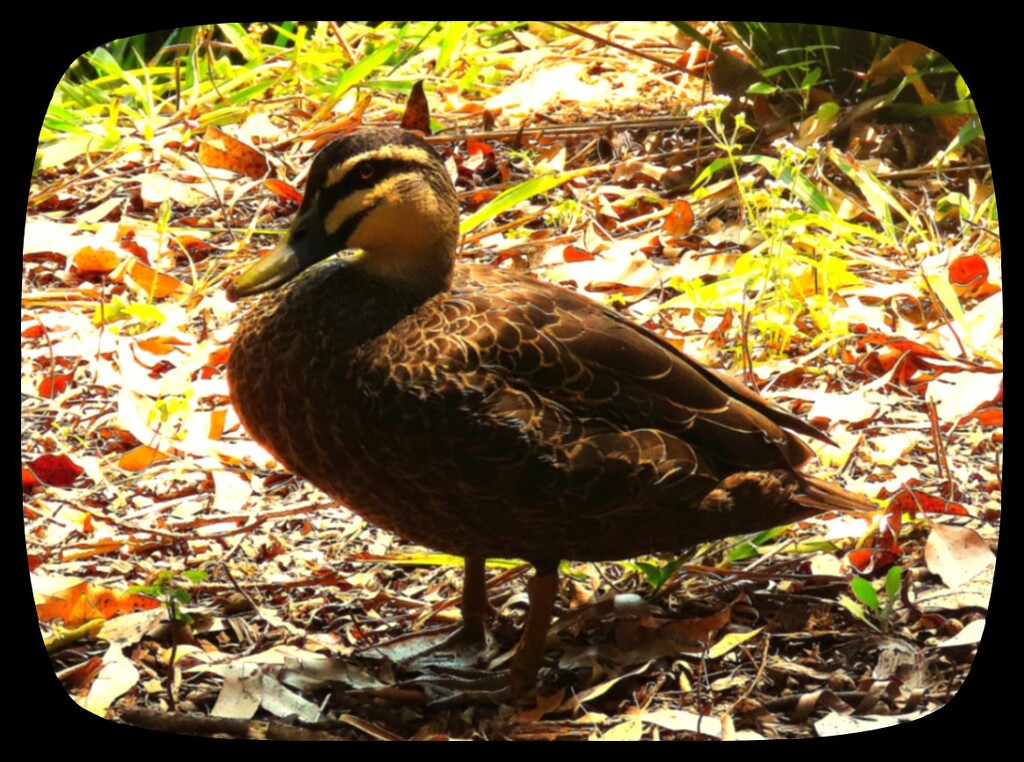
485	413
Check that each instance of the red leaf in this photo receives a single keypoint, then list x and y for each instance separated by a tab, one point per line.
989	416
28	480
968	274
868	561
574	254
915	501
55	470
477	147
53	385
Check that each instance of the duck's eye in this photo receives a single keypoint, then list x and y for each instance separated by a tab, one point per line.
365	171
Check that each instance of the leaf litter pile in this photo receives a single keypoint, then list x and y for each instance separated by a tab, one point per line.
185	581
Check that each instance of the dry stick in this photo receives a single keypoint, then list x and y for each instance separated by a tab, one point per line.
336	31
248	522
748	361
701	677
90	170
632	51
757	677
653	123
940	449
53	365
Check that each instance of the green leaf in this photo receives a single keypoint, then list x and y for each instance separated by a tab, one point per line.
450	41
741	552
657	575
893	581
245	45
865	593
710	170
520	193
811	79
857	610
355	74
801	187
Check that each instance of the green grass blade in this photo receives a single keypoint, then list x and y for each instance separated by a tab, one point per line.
520	193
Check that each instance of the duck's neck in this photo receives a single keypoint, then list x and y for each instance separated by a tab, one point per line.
410	247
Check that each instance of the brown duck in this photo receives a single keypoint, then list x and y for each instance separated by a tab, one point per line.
485	413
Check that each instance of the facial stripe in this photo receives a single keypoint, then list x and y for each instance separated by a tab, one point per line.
359	201
382	158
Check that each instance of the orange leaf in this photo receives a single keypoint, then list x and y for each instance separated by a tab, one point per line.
989	416
222	151
680	220
141	458
904	55
161	345
90	261
333	130
157	284
100	548
604	287
281	189
218	356
481	197
86	601
217	418
969	277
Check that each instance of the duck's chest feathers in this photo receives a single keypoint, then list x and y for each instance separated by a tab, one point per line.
332	398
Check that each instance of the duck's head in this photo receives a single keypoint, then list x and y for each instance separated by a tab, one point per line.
383	198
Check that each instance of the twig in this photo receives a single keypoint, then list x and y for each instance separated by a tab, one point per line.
604	41
757	677
940	449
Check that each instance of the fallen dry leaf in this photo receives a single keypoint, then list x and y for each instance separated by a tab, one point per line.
957	554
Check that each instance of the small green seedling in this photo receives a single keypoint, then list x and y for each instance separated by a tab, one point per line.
657	575
867	607
171	594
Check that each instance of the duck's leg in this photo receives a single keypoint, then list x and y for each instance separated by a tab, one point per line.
475	608
471	634
525	664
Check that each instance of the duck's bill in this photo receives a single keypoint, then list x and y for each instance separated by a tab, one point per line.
273	270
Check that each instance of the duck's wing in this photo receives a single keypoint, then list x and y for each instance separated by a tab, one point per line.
589	361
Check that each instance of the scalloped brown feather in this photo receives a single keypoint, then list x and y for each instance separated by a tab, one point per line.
509	417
